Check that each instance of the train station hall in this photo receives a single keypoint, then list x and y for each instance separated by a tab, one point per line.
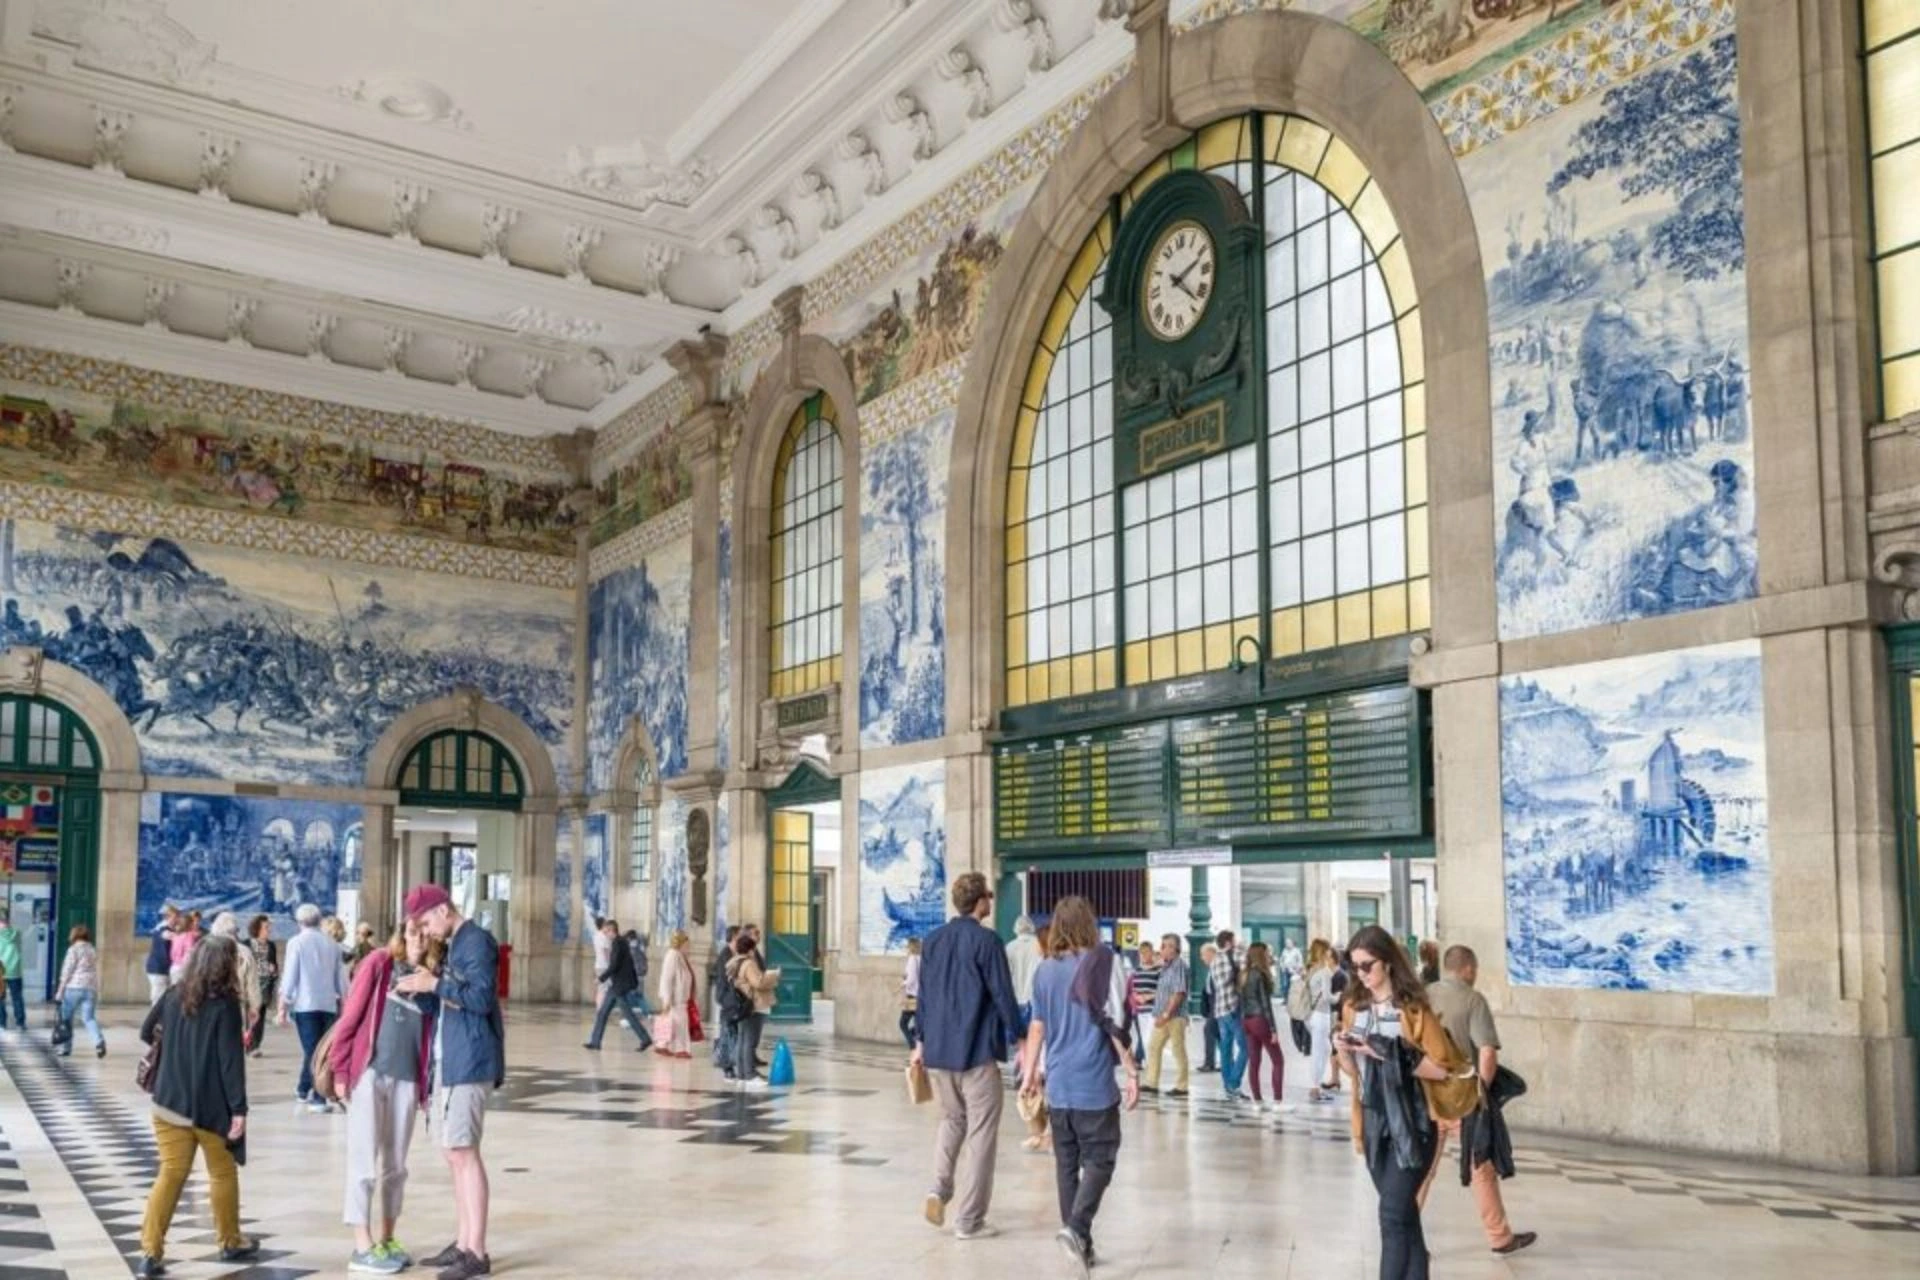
838	639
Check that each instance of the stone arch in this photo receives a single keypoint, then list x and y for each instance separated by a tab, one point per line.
1269	61
807	363
635	745
466	709
29	671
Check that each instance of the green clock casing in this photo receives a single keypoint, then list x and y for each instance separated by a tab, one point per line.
1183	287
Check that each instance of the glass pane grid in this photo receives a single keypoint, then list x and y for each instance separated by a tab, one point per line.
1060	552
804	643
1892	37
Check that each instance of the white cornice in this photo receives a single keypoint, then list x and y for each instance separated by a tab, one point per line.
270	370
427	161
35	193
787	40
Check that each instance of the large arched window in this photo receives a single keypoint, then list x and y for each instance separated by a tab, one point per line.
1315	535
804	644
1892	34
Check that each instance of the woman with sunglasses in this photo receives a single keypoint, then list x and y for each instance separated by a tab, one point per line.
1394	1045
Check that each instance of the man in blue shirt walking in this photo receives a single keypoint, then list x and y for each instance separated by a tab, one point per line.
967	1018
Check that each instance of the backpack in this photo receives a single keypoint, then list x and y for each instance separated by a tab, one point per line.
735	1004
1300	1000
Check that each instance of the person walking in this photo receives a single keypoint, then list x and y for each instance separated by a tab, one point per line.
13	988
910	992
266	972
1429	962
1395	1046
1258	1022
363	946
227	925
676	989
1320	1001
1023	958
602	953
380	1056
1225	975
1169	1018
716	990
1468	1018
968	1013
1143	984
1209	1033
79	989
470	1063
752	986
310	994
622	989
186	936
160	955
1077	1031
199	1101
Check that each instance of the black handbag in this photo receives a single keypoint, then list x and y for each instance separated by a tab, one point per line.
1302	1038
62	1030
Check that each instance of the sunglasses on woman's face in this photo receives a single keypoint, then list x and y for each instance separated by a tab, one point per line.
1365	966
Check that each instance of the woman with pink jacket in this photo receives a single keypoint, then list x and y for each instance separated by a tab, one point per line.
380	1057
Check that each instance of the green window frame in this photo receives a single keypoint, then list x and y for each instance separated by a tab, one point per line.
41	736
463	769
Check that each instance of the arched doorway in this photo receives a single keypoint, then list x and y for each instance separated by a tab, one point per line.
49	830
802	810
466	786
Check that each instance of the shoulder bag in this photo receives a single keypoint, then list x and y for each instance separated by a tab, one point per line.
148	1069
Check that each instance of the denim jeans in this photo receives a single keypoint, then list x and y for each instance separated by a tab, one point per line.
907	1027
311	1027
1086	1146
1233	1051
80	1001
16	991
724	1038
632	1006
746	1046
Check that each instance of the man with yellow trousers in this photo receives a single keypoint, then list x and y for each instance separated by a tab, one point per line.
1169	1018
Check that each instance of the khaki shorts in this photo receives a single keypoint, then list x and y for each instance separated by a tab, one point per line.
459	1115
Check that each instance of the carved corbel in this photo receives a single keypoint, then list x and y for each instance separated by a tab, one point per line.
22	668
468	701
1898	566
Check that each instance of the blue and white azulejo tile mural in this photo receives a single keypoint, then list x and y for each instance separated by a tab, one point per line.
903	629
637	622
243	664
594	871
1613	237
244	854
722	861
903	855
563	880
1634	803
670	868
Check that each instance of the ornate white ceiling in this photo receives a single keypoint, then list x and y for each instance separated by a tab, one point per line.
523	203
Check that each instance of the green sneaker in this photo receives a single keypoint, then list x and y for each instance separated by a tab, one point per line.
373	1262
394	1250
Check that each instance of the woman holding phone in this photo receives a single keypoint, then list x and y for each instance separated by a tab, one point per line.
1394	1045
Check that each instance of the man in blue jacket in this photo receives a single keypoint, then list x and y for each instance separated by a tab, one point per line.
469	1064
967	1018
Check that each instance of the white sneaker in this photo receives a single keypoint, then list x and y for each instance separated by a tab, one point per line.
979	1231
756	1085
1286	1108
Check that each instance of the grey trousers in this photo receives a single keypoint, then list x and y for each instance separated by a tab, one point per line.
380	1116
963	1157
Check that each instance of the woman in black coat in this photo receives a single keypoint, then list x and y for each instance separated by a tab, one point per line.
199	1099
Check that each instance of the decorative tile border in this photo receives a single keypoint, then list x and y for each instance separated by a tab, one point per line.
90	510
662	408
911	405
633	545
1615	46
440	436
747	350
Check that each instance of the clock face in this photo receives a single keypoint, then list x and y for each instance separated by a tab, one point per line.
1179	280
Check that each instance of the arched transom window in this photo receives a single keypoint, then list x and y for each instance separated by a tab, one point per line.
804	644
1313	536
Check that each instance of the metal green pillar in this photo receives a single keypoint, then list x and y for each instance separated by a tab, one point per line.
1199	931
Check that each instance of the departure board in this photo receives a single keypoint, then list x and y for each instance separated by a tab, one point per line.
1327	767
1104	789
1337	766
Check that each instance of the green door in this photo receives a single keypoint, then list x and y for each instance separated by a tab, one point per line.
790	923
43	742
1275	931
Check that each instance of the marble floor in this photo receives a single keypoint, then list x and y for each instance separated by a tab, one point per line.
624	1164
